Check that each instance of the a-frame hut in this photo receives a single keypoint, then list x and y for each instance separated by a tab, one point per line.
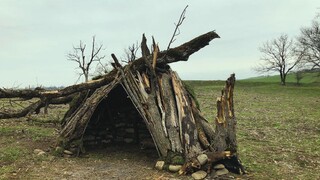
147	100
143	100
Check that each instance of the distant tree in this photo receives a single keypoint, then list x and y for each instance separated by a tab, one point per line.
131	53
85	63
309	41
101	69
279	55
299	72
298	76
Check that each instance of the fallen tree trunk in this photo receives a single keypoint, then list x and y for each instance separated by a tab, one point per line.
35	107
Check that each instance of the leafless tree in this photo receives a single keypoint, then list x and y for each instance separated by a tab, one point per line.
279	55
131	52
84	63
102	68
309	41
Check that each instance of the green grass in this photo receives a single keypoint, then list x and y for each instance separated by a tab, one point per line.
34	132
308	78
11	154
278	126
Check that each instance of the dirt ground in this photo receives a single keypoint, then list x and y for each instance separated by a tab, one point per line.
108	163
19	139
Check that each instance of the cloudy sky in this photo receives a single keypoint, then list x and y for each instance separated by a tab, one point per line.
36	35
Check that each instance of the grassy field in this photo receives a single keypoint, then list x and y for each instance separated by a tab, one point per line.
308	78
278	134
278	127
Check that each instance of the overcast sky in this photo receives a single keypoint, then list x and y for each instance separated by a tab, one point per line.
36	35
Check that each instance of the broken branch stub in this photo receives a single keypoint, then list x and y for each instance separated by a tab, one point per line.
225	122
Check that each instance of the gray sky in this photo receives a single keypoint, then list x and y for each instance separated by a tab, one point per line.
36	35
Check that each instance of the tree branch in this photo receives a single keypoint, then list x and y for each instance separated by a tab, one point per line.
176	31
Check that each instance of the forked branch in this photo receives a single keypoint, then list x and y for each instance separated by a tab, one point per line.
176	31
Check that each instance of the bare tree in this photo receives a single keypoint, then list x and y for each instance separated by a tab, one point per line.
84	63
279	55
131	52
309	41
102	69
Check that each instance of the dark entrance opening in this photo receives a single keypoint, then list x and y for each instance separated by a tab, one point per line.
117	123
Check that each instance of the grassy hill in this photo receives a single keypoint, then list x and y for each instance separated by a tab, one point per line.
308	78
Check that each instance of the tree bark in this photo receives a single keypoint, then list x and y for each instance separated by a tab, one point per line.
225	135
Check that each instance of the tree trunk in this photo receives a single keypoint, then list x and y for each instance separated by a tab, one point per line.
225	136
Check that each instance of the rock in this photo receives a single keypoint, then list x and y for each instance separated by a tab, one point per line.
120	125
59	149
202	158
68	152
219	166
109	136
67	155
102	133
128	140
41	153
37	151
221	172
51	158
159	165
174	168
129	130
89	138
106	141
74	150
199	175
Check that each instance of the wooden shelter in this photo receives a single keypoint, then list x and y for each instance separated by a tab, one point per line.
142	100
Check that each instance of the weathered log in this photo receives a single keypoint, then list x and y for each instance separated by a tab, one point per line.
93	84
182	52
187	122
74	104
225	137
29	109
26	93
75	127
34	107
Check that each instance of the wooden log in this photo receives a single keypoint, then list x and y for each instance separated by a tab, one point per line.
24	112
35	107
225	135
93	84
171	116
75	127
180	53
187	124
